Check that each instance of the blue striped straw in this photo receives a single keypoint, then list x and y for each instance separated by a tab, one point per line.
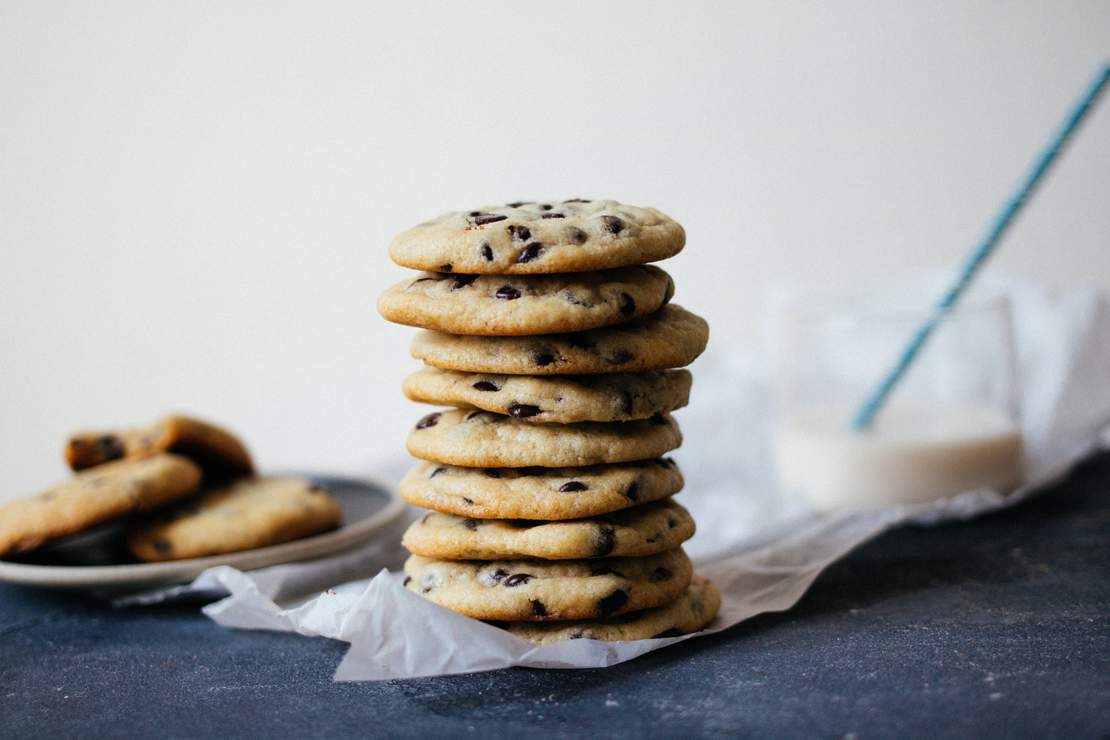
980	253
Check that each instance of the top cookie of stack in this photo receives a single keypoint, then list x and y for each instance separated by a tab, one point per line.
557	343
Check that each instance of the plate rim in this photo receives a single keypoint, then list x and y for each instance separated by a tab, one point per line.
347	537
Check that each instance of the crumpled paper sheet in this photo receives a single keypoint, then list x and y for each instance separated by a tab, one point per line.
1064	348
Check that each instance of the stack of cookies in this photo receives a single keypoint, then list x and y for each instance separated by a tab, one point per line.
559	351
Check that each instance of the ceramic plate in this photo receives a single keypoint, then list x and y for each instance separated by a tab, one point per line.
98	560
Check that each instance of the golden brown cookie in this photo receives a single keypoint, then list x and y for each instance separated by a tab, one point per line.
539	493
483	440
216	450
500	305
544	237
101	494
242	515
690	612
642	530
538	590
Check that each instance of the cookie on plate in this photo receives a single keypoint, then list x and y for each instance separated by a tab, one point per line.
242	515
543	237
218	452
690	612
480	439
104	493
499	305
642	530
539	493
672	337
536	590
562	399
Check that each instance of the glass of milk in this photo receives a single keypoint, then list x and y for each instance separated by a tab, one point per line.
951	425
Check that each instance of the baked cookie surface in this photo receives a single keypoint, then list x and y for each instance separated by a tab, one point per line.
536	590
642	530
497	305
485	440
539	493
672	337
94	496
242	515
562	399
690	612
539	237
218	452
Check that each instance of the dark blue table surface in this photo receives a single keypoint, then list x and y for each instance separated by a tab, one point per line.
993	628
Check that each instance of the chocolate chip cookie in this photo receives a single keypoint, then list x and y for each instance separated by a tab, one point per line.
245	514
101	494
539	237
670	338
481	439
690	612
536	590
641	530
539	493
218	452
563	399
496	305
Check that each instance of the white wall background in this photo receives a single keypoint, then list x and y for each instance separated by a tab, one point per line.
195	198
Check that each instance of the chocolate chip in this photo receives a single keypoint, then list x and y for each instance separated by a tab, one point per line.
552	215
581	341
543	357
572	486
507	293
672	632
109	447
428	421
437	471
671	522
545	206
576	235
517	579
619	357
477	218
606	541
633	492
605	570
660	574
486	251
485	385
492	473
628	305
162	547
520	233
470	524
531	252
468	501
538	608
658	420
462	281
611	603
519	203
523	410
407	581
612	224
498	575
576	200
445	267
573	297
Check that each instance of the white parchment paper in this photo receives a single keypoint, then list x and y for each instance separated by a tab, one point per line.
761	552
